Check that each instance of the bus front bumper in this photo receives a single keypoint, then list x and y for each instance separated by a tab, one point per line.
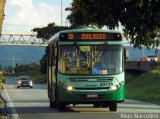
90	96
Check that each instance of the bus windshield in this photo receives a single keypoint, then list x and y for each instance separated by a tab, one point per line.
90	60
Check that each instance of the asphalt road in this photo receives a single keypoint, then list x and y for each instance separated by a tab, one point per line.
26	103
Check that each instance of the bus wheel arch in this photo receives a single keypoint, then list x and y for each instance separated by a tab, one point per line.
96	105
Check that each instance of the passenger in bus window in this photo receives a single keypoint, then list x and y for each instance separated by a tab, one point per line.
115	63
71	60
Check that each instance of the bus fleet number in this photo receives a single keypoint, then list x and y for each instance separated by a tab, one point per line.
106	84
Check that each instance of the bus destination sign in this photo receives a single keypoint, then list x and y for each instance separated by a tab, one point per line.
90	37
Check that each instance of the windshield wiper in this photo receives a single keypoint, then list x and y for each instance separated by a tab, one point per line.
84	55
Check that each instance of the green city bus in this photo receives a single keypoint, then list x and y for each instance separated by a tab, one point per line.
86	66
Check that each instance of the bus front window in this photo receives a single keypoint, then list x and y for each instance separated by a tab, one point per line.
90	60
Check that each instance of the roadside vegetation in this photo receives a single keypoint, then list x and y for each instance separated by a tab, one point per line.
1	79
2	102
145	87
32	70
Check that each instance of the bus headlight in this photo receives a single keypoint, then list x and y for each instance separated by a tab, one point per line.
156	59
69	88
113	87
148	59
31	83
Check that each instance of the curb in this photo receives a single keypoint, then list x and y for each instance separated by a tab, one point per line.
3	104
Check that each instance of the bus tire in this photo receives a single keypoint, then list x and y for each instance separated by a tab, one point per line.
61	106
52	104
113	106
96	105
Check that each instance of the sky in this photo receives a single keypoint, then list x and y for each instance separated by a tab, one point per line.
21	16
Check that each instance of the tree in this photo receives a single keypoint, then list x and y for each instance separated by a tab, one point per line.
46	32
0	66
140	18
43	62
27	67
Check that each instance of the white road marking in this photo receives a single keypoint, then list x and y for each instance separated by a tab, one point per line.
10	104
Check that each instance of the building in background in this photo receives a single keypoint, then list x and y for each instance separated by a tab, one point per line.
2	5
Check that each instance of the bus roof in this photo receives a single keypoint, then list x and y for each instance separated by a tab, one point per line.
83	29
88	29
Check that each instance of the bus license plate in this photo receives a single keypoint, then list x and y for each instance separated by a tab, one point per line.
91	95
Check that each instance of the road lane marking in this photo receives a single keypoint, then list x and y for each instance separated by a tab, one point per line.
10	105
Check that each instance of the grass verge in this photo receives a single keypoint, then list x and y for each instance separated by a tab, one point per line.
145	87
2	101
1	77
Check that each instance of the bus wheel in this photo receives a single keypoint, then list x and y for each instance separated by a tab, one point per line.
53	104
113	106
96	105
61	106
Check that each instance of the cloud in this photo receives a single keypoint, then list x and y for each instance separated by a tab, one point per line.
24	15
21	3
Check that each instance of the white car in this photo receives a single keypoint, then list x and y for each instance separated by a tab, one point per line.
152	58
24	81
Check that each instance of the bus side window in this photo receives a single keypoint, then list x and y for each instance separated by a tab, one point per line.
50	56
54	54
63	62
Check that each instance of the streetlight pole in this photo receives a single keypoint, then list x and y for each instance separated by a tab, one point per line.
61	13
13	61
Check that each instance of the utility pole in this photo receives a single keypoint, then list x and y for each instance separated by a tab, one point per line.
2	15
13	61
61	13
143	51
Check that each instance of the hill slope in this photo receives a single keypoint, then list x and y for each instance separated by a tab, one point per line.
23	54
145	87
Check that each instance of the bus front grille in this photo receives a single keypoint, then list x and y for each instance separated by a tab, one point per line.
92	88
